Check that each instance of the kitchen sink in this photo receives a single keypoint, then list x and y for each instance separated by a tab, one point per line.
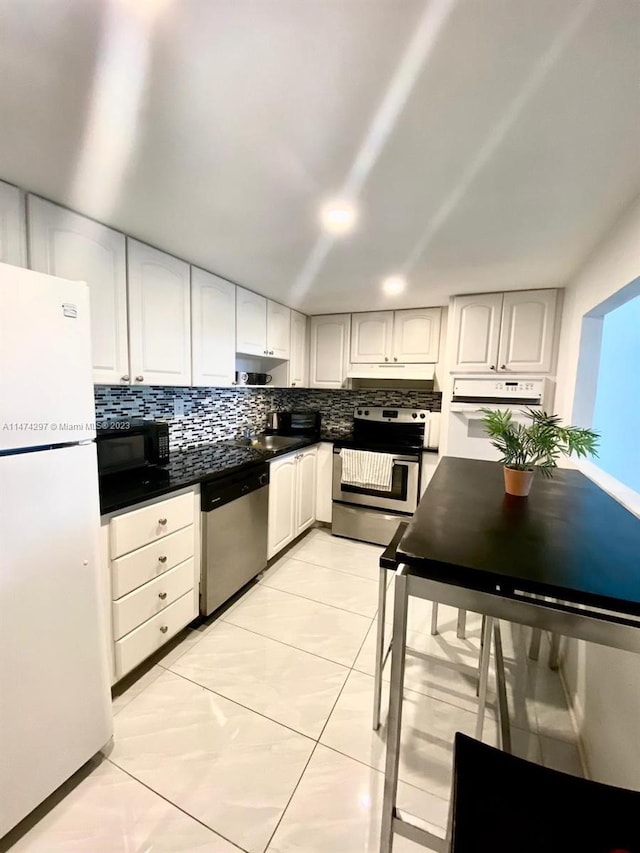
270	442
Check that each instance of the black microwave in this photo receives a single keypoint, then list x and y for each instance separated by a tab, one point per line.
126	445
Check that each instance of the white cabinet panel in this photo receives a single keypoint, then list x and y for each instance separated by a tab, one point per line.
329	350
371	337
13	248
306	489
213	329
528	327
324	482
251	322
159	317
298	368
66	244
416	335
476	330
278	330
282	503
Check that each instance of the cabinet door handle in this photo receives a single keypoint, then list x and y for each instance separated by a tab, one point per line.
385	358
125	378
270	352
503	367
139	378
162	595
394	358
162	559
293	384
162	521
164	629
493	367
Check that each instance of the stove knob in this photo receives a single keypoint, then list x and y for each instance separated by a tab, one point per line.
359	411
366	411
422	415
414	415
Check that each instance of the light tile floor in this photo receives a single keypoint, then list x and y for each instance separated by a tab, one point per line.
253	732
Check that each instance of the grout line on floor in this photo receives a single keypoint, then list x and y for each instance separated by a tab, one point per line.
176	806
305	598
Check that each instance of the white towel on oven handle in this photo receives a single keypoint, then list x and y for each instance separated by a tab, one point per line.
367	469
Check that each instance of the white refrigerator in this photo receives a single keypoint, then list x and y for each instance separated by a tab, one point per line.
55	710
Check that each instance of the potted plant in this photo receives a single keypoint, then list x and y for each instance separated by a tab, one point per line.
525	448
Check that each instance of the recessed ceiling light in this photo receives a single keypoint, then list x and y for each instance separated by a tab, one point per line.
394	284
338	217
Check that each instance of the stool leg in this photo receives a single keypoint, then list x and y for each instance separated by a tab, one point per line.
394	722
534	646
434	618
377	682
554	652
461	631
485	655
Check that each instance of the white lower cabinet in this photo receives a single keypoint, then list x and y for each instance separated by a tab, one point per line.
154	575
292	497
324	482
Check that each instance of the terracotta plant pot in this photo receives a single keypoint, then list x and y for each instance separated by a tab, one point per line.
517	482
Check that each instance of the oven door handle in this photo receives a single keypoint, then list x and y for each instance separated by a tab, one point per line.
401	459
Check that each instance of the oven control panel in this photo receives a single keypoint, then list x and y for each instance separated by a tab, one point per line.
473	388
391	416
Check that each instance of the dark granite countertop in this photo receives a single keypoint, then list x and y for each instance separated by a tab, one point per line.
185	468
568	540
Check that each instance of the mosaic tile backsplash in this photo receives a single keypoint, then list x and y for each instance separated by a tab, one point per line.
213	414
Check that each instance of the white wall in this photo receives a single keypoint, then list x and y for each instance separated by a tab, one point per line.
604	683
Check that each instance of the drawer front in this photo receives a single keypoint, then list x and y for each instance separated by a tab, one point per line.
139	644
145	564
142	526
143	603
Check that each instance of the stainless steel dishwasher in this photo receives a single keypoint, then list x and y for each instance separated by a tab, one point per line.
234	534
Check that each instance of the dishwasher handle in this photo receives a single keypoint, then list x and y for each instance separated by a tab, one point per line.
217	493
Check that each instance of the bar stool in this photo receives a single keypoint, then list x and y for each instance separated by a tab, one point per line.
493	795
387	563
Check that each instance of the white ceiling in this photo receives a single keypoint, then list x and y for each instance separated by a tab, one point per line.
489	143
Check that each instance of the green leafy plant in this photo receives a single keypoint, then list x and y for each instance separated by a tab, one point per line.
539	444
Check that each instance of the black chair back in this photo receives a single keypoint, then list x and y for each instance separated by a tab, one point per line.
505	804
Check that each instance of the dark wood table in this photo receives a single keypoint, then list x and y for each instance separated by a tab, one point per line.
565	559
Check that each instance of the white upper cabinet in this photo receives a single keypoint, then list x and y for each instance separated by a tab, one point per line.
13	248
71	246
371	337
251	322
476	331
278	330
213	329
329	350
298	368
527	334
405	337
416	335
159	317
505	332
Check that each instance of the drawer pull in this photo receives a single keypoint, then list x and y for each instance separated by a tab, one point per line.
164	629
162	559
162	595
162	521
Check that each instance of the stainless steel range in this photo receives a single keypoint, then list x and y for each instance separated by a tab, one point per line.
376	474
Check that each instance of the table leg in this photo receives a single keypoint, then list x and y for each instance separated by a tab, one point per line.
554	652
534	645
377	682
434	618
485	655
394	721
461	631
